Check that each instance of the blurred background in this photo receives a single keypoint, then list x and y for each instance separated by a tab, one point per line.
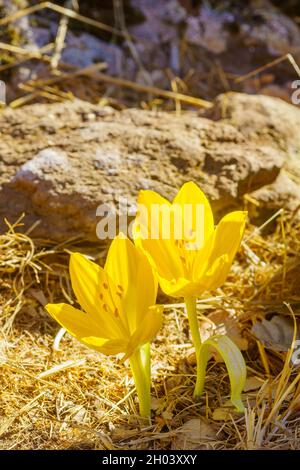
52	50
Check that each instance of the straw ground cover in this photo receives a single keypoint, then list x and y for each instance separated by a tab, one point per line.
57	394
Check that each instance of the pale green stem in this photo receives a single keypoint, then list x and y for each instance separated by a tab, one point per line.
145	357
190	303
140	366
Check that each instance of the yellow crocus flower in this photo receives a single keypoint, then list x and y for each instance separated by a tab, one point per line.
119	313
190	255
184	266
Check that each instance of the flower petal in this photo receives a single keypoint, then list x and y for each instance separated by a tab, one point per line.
197	214
147	330
80	325
227	239
77	323
213	262
97	295
179	287
156	236
164	257
154	215
228	235
108	347
148	198
131	272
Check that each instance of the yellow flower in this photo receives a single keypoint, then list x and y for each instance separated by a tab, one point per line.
119	313
191	256
200	258
118	301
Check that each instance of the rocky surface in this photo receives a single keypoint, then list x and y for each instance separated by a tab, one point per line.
284	192
268	121
59	162
263	119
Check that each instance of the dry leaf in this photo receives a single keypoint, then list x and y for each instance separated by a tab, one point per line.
222	414
253	383
80	415
39	296
227	324
195	434
277	333
157	404
167	415
122	432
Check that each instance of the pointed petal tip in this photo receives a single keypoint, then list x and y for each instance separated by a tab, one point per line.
192	187
236	216
147	197
120	243
244	214
53	309
190	184
76	257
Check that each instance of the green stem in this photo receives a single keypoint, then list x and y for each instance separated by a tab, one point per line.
190	303
140	367
145	357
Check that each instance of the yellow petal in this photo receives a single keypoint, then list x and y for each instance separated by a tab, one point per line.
216	275
130	269
153	230
154	216
173	262
149	198
228	235
76	322
108	347
147	330
97	295
198	217
83	328
234	362
227	239
179	287
164	257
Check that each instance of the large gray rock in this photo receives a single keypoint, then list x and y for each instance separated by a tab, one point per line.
264	119
58	162
270	122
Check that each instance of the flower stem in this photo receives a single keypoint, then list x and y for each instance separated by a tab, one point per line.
145	357
140	367
190	303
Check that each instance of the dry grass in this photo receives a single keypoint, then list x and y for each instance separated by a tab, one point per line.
89	402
